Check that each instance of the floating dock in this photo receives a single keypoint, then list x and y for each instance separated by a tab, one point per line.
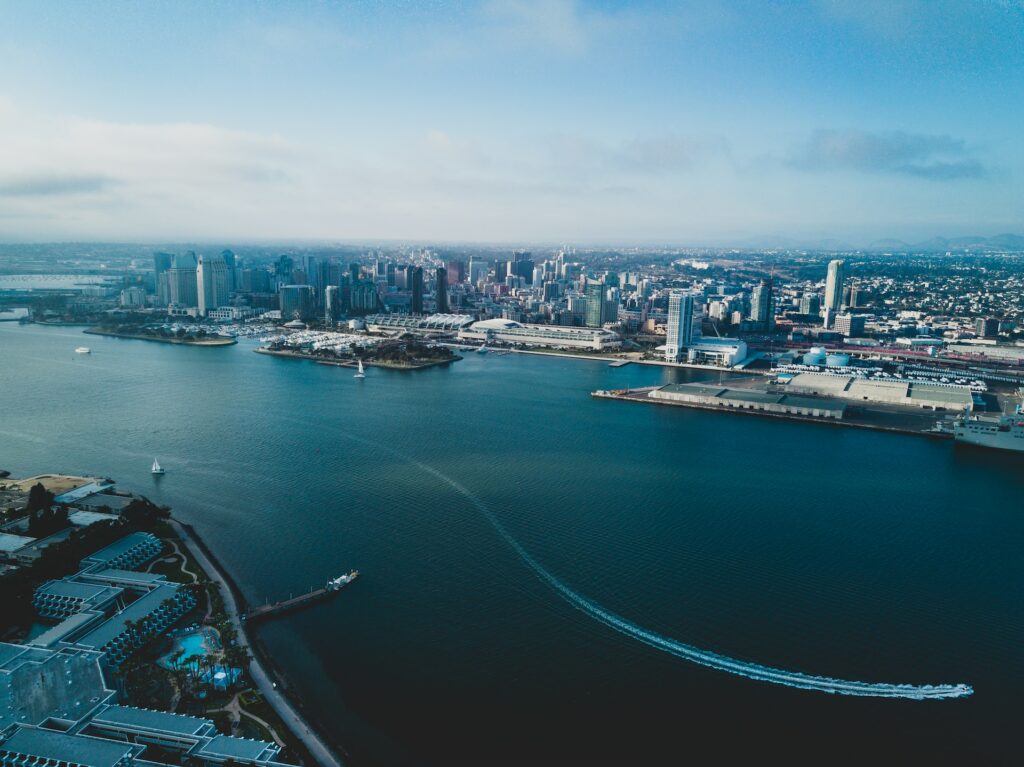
619	363
274	609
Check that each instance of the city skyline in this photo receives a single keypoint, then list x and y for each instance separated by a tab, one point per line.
714	124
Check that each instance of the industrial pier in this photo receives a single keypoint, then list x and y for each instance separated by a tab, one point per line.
773	404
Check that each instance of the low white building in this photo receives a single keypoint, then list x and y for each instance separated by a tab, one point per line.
717	351
552	336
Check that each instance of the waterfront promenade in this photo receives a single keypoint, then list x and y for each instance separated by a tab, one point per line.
324	755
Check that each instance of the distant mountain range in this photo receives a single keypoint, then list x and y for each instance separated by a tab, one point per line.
1013	242
999	241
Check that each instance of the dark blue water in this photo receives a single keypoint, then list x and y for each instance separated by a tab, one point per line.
838	552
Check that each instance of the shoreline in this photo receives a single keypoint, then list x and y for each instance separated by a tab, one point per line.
775	416
294	355
266	675
611	359
216	341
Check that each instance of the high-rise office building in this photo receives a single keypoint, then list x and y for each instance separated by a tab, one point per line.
283	268
332	303
594	293
986	327
211	283
456	272
684	320
810	303
500	271
364	298
416	305
181	280
522	267
441	290
610	307
834	285
850	325
761	310
478	269
161	265
297	302
229	262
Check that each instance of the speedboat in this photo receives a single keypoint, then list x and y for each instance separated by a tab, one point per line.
83	350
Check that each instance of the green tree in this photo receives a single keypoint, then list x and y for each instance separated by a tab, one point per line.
39	497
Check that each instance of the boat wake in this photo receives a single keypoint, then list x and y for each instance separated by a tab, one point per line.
708	658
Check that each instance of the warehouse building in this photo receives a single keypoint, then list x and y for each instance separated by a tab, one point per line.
917	394
749	399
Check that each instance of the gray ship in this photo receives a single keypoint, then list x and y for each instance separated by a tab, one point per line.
1003	432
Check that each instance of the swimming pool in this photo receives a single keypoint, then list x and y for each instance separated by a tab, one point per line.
192	646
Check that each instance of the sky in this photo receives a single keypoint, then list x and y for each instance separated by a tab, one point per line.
688	123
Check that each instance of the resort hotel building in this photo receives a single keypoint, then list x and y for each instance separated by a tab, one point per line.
57	708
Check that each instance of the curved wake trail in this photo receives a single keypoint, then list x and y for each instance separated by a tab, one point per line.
754	671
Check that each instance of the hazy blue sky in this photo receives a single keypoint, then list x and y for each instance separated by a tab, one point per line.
511	120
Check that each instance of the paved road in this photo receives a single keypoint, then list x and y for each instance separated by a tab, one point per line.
320	751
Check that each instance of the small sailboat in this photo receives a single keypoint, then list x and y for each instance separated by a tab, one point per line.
482	349
360	373
157	469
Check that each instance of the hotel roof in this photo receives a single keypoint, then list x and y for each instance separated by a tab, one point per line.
238	748
9	543
119	547
74	590
73	749
137	610
147	719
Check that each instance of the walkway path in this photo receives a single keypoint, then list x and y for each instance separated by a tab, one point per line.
181	565
288	713
234	707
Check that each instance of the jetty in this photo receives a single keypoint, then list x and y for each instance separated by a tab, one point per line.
273	609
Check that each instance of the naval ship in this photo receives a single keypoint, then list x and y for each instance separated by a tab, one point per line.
1003	432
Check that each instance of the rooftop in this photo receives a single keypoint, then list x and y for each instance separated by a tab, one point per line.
238	748
119	547
147	719
137	610
9	543
74	749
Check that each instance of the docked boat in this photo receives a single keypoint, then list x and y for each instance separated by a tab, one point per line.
1003	432
83	350
361	373
482	349
342	580
157	469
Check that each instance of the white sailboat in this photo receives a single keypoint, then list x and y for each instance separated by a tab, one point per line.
360	374
482	349
156	467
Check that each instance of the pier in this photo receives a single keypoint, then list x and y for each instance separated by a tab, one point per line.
273	609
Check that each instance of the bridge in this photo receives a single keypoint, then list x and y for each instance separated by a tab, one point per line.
273	609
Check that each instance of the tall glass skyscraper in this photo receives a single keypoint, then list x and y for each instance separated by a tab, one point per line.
684	318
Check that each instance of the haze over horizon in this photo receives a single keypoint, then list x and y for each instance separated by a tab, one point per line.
718	123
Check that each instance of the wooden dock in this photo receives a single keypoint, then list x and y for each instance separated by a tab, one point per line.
274	609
